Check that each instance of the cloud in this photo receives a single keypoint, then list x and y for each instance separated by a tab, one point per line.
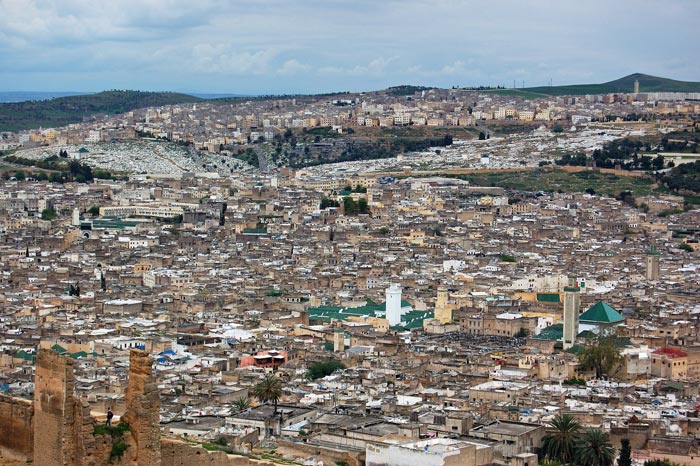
304	45
223	58
291	67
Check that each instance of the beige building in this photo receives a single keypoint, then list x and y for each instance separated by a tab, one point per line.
669	363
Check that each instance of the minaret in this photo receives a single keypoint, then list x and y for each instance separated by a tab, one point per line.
393	304
636	86
442	312
338	340
572	303
652	264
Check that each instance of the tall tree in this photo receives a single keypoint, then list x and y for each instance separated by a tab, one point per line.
625	458
268	390
601	354
593	448
559	442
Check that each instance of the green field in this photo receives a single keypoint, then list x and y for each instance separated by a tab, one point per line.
559	180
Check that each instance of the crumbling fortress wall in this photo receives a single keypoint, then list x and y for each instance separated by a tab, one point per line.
143	409
54	405
56	429
16	428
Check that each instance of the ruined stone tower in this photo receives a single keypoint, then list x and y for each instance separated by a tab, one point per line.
55	410
143	409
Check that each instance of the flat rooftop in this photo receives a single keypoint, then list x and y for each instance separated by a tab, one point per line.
264	412
504	428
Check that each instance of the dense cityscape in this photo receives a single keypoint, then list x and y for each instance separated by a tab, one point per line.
474	274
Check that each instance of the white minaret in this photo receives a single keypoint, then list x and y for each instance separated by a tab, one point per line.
76	217
393	304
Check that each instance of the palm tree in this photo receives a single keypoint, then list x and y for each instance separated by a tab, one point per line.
593	448
241	404
268	389
558	444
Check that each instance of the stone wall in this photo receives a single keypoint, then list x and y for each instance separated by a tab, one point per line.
638	434
176	453
143	409
673	446
53	409
327	455
16	428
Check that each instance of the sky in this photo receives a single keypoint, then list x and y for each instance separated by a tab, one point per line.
310	46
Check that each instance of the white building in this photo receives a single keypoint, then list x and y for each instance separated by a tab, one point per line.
93	137
431	452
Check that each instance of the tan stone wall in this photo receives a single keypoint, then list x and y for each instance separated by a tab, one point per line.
638	434
53	409
176	453
327	455
671	446
143	409
16	428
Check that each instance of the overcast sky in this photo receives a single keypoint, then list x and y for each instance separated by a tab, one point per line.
308	46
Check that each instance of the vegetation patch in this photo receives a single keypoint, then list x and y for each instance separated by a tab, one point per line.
119	445
562	181
322	369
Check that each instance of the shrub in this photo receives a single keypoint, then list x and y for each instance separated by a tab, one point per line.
322	369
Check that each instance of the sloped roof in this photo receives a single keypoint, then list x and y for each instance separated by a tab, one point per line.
602	313
412	319
548	297
553	332
21	354
58	348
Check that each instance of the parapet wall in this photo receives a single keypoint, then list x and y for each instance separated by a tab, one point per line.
328	455
16	428
177	453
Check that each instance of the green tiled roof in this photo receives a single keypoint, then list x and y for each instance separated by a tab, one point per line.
21	354
58	348
548	297
413	319
602	313
112	223
553	332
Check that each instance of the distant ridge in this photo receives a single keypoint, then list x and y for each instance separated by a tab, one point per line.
23	96
62	111
647	83
208	96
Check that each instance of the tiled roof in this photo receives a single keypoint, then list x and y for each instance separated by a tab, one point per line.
602	313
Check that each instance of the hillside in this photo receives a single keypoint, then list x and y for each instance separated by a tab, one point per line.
646	84
65	110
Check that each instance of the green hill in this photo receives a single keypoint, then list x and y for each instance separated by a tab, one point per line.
66	110
623	85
